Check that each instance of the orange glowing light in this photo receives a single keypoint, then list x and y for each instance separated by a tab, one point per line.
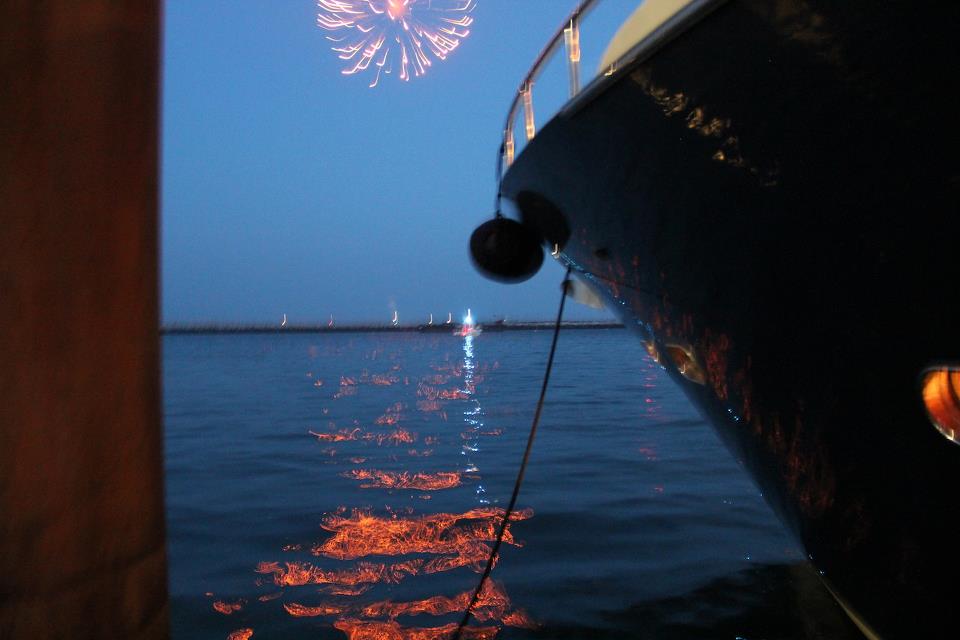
396	9
374	630
376	479
240	634
941	396
408	34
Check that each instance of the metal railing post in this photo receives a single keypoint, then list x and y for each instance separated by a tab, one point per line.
571	40
529	125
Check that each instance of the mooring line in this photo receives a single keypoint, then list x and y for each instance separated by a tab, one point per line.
523	465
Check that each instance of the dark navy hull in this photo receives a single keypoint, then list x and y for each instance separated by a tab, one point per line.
776	191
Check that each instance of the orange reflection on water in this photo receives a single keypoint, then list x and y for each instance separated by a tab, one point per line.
227	608
339	436
459	539
301	611
364	551
267	597
470	435
493	604
395	437
346	590
348	387
404	479
423	453
375	630
297	574
428	405
240	634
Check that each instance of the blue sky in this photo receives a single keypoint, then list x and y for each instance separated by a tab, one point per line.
288	187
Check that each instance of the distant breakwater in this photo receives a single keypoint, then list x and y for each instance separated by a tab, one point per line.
211	328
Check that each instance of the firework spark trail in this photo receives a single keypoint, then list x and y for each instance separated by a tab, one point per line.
408	33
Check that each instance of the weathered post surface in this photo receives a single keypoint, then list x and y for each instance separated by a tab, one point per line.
81	485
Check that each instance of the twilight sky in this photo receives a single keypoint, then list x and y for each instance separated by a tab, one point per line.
290	188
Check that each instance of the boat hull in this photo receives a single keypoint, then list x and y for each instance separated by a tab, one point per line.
770	201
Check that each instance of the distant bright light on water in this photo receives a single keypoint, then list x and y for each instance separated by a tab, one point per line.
406	35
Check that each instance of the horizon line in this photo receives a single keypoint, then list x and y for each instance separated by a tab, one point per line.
250	327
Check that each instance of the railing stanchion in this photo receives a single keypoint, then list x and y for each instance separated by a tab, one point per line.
529	125
571	40
570	32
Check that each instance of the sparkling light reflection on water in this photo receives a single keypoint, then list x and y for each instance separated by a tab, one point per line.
637	522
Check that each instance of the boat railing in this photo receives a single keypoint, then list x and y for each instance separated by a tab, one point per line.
567	91
522	114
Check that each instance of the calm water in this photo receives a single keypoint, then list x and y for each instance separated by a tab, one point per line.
642	525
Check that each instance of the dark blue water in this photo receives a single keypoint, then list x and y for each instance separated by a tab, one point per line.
642	524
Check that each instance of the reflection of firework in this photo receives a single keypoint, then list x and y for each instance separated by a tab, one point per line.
376	479
415	30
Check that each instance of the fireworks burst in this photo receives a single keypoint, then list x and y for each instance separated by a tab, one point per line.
389	34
